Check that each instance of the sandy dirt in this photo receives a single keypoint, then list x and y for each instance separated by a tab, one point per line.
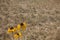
42	17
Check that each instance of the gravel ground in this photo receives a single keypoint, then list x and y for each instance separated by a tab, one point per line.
42	17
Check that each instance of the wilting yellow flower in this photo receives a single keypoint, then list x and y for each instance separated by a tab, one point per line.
18	27
12	29
18	35
23	26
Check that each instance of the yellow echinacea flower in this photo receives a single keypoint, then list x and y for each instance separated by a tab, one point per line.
11	29
18	27
17	35
23	26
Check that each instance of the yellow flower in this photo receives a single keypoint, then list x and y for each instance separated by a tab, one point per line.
18	35
18	27
23	26
12	29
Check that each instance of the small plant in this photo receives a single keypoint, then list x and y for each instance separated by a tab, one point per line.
16	31
17	35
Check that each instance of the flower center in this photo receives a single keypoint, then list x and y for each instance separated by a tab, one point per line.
11	28
21	24
17	34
